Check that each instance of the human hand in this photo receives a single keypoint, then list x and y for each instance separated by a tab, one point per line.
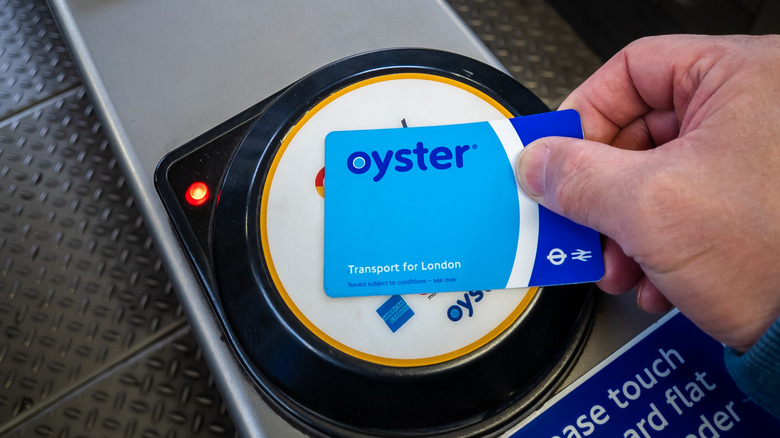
680	170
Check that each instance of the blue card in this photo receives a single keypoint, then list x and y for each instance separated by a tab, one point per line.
437	209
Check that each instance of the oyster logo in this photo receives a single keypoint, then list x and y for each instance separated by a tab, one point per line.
455	312
440	158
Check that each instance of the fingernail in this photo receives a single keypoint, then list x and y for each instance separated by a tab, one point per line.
531	166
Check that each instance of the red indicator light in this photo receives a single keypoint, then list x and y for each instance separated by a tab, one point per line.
197	193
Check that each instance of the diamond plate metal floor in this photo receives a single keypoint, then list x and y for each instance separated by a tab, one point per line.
34	63
537	47
92	340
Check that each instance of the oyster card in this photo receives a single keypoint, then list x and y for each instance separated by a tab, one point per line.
436	209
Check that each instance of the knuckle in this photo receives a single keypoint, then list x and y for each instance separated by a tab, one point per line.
573	184
655	212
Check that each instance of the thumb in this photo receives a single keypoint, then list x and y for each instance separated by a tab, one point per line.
591	183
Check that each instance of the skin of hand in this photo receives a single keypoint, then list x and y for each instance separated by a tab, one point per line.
680	171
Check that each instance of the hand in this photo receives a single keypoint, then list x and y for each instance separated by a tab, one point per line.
680	171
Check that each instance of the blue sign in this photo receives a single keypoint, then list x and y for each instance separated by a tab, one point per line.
670	383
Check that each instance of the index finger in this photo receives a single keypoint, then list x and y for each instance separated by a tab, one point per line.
649	76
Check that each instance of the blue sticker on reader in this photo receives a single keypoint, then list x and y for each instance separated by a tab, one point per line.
436	209
395	312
